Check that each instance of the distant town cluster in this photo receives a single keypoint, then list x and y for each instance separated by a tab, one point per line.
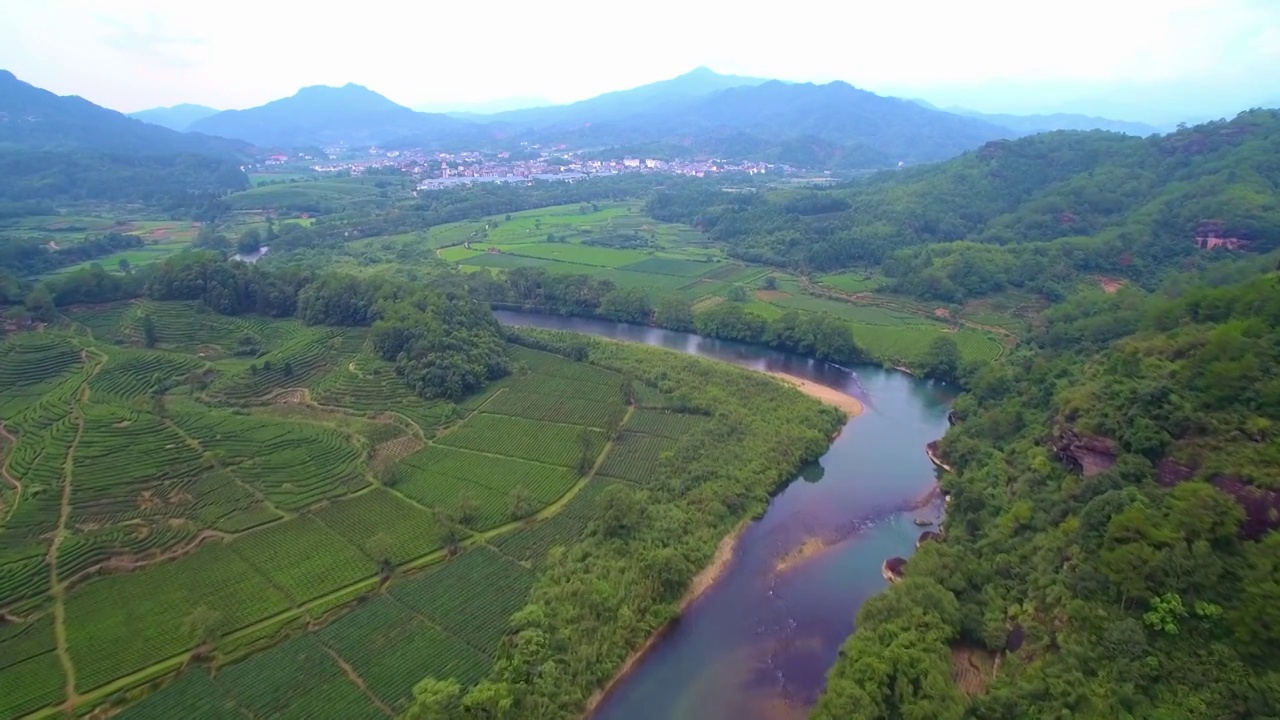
436	170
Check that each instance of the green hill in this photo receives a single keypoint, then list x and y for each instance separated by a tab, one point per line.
1033	211
67	148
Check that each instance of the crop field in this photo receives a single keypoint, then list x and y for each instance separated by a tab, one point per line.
131	374
441	477
391	649
303	558
297	679
636	457
123	623
531	544
470	597
379	523
31	684
851	282
553	408
293	465
664	424
302	196
192	695
525	439
196	506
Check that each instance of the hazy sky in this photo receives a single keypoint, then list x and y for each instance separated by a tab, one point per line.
994	55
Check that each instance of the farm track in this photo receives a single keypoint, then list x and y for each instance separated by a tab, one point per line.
176	662
57	587
4	472
358	681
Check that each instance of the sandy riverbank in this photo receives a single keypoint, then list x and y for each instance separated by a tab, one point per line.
831	396
806	551
699	585
934	458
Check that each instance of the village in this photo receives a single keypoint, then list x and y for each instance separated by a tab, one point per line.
438	170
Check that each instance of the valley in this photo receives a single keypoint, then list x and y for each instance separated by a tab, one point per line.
718	397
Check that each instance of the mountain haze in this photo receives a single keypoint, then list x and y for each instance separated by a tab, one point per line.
178	117
832	125
322	115
694	84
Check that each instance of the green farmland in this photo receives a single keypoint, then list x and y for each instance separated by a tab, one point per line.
674	260
171	507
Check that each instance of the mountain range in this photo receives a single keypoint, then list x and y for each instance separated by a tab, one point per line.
178	117
699	114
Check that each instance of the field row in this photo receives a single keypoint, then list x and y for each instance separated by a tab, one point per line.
445	622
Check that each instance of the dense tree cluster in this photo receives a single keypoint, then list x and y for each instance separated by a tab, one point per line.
1147	587
32	256
444	343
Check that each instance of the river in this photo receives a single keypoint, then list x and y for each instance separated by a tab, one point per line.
758	643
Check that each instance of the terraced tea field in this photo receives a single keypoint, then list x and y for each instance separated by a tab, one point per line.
168	505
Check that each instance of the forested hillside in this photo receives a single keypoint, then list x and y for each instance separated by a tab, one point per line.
1110	541
68	149
1027	213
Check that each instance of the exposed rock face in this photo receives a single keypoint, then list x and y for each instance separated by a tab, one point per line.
1086	455
893	568
1016	637
1211	234
1261	506
1170	473
926	536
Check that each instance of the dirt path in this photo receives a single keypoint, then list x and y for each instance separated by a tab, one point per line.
830	396
358	681
57	587
12	441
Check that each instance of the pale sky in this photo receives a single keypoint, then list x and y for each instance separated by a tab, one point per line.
1156	57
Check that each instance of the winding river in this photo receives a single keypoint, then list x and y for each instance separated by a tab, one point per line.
758	643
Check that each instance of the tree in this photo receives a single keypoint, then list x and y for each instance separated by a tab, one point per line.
434	700
586	450
39	302
770	282
942	359
465	508
250	241
737	293
204	624
124	266
674	313
149	334
520	503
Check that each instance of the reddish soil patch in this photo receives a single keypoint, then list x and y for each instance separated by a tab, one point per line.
292	396
387	453
1110	285
707	302
941	312
972	669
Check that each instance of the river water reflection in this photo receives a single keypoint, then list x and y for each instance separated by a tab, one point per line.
758	644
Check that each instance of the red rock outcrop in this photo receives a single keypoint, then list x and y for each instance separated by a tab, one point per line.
1085	454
